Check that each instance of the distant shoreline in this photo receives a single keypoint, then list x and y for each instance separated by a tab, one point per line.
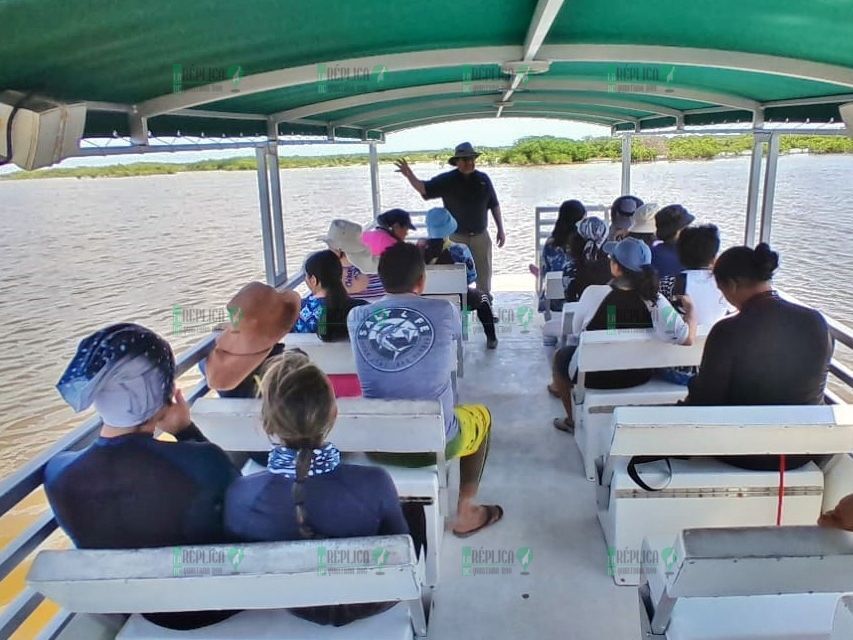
526	152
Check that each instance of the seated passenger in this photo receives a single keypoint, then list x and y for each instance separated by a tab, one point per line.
622	216
841	517
129	490
669	222
391	227
697	250
555	252
631	300
405	347
359	265
260	317
305	491
324	311
589	263
643	225
438	249
773	352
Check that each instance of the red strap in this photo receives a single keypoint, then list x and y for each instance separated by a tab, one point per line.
781	490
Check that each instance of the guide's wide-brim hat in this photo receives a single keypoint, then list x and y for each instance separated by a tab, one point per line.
260	316
464	150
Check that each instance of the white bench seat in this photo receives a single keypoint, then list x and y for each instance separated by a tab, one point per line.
701	491
619	350
263	578
655	391
766	583
393	624
411	482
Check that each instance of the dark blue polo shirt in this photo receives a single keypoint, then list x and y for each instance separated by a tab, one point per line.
468	198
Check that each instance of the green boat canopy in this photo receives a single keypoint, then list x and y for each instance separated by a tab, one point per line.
361	69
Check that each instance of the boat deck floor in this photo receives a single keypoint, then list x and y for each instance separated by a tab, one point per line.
535	473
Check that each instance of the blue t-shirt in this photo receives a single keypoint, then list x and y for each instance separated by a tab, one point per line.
665	259
405	347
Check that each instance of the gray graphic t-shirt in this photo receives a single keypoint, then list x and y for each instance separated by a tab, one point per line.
405	348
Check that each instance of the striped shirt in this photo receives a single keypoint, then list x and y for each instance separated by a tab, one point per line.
374	284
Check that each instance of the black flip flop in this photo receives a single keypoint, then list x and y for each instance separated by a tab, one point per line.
495	513
562	425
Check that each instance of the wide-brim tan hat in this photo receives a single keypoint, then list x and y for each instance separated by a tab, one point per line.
644	218
260	316
345	236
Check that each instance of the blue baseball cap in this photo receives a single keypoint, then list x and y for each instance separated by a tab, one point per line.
631	253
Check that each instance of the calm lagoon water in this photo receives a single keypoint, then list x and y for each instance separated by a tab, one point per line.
78	254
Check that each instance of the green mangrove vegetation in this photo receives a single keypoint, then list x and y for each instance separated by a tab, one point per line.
530	151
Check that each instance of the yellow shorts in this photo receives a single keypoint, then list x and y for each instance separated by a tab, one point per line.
475	421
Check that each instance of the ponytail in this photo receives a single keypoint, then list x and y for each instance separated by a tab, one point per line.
326	267
303	464
298	409
746	265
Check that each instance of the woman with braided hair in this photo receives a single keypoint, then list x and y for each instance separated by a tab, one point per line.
305	491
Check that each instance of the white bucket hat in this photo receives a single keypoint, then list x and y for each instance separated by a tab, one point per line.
644	218
345	236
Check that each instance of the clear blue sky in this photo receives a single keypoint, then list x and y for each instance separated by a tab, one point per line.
487	132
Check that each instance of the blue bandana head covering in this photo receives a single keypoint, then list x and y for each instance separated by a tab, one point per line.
282	461
594	231
125	370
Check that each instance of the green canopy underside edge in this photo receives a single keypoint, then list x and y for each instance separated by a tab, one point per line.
106	125
127	53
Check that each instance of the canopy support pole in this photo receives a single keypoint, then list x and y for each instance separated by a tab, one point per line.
266	225
752	190
273	168
769	188
374	180
626	164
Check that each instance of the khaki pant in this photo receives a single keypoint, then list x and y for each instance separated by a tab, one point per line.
481	248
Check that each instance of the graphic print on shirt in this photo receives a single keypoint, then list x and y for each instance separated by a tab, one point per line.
394	339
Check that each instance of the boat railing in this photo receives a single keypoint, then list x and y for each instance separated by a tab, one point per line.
29	478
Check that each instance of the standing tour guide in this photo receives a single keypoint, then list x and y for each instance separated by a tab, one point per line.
468	194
